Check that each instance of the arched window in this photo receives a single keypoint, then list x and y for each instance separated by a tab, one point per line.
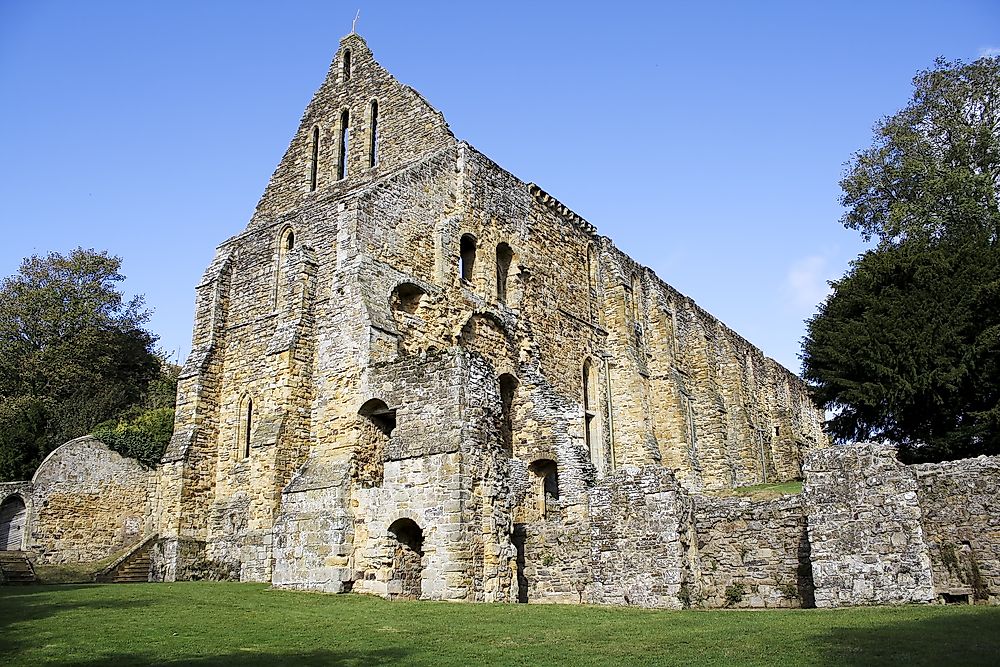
347	65
467	256
245	431
508	388
547	484
314	159
591	424
286	242
345	137
504	257
373	136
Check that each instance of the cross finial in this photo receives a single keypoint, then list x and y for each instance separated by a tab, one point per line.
354	23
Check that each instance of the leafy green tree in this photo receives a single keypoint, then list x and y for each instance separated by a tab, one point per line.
934	167
907	347
73	353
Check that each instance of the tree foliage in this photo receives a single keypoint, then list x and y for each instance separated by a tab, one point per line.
73	353
907	347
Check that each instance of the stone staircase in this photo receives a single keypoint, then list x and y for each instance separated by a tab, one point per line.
131	567
15	568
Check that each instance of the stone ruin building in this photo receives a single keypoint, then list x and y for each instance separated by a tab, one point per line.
414	375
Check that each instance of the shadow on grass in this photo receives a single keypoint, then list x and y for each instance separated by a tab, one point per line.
967	639
251	659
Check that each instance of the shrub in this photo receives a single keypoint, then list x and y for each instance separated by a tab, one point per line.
139	434
734	593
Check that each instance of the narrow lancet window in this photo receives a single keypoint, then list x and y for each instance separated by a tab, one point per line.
246	426
590	420
347	65
314	159
373	136
504	257
345	137
467	256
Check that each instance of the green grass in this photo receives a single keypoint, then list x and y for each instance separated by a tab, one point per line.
250	624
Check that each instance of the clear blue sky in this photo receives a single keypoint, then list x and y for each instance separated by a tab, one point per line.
706	139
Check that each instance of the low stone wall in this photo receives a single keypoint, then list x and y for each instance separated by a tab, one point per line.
636	527
87	502
960	517
748	553
865	528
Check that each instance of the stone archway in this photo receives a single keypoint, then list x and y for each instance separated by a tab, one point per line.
13	516
406	540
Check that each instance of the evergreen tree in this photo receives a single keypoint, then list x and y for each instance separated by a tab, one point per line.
907	347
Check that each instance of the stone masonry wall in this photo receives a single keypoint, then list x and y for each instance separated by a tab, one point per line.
744	552
960	516
865	528
88	502
636	524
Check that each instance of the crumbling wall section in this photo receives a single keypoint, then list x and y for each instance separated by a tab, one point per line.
636	525
865	528
960	517
745	552
88	502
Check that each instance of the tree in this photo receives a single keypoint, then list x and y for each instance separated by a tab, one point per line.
907	346
73	353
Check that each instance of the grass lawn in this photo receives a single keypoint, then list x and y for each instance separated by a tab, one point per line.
250	624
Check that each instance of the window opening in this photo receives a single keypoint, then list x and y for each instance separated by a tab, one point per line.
247	430
373	137
347	65
345	137
314	159
547	474
504	257
508	388
590	412
467	257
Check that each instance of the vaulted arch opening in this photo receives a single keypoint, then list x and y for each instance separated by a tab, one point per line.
406	541
406	298
13	518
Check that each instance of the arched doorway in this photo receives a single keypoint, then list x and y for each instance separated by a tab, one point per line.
407	543
13	515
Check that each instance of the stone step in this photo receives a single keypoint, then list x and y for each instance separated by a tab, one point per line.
16	568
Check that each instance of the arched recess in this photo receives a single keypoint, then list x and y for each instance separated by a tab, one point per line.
546	485
591	415
377	424
244	433
379	414
504	257
508	390
286	243
406	298
13	520
467	257
406	540
314	159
